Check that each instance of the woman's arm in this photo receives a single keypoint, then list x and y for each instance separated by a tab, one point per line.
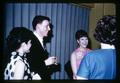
73	64
19	70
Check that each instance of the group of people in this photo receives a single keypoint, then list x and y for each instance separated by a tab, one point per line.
100	63
29	59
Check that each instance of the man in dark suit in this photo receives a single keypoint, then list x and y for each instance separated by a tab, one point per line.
38	58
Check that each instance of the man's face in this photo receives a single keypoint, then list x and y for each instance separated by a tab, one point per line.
43	28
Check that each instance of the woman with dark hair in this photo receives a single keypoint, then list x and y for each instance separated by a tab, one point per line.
18	44
77	55
101	63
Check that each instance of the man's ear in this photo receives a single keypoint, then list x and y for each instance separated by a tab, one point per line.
37	26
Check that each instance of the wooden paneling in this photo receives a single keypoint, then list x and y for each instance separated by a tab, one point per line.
90	5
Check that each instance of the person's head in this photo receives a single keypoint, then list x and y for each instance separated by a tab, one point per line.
19	37
82	38
105	31
41	24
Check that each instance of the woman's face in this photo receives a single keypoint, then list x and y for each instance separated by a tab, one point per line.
27	46
83	42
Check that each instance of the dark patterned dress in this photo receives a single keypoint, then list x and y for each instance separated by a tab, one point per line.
10	68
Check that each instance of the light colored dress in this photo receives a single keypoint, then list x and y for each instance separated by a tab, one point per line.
10	68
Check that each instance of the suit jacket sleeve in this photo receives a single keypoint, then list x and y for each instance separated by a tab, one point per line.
36	59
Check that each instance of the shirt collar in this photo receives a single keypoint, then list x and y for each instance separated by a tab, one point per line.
39	38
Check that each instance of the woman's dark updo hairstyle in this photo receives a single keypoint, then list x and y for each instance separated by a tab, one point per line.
105	31
16	37
80	33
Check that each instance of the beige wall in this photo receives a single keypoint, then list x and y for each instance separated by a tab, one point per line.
96	13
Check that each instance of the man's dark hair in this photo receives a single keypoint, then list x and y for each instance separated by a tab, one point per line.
105	31
38	19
